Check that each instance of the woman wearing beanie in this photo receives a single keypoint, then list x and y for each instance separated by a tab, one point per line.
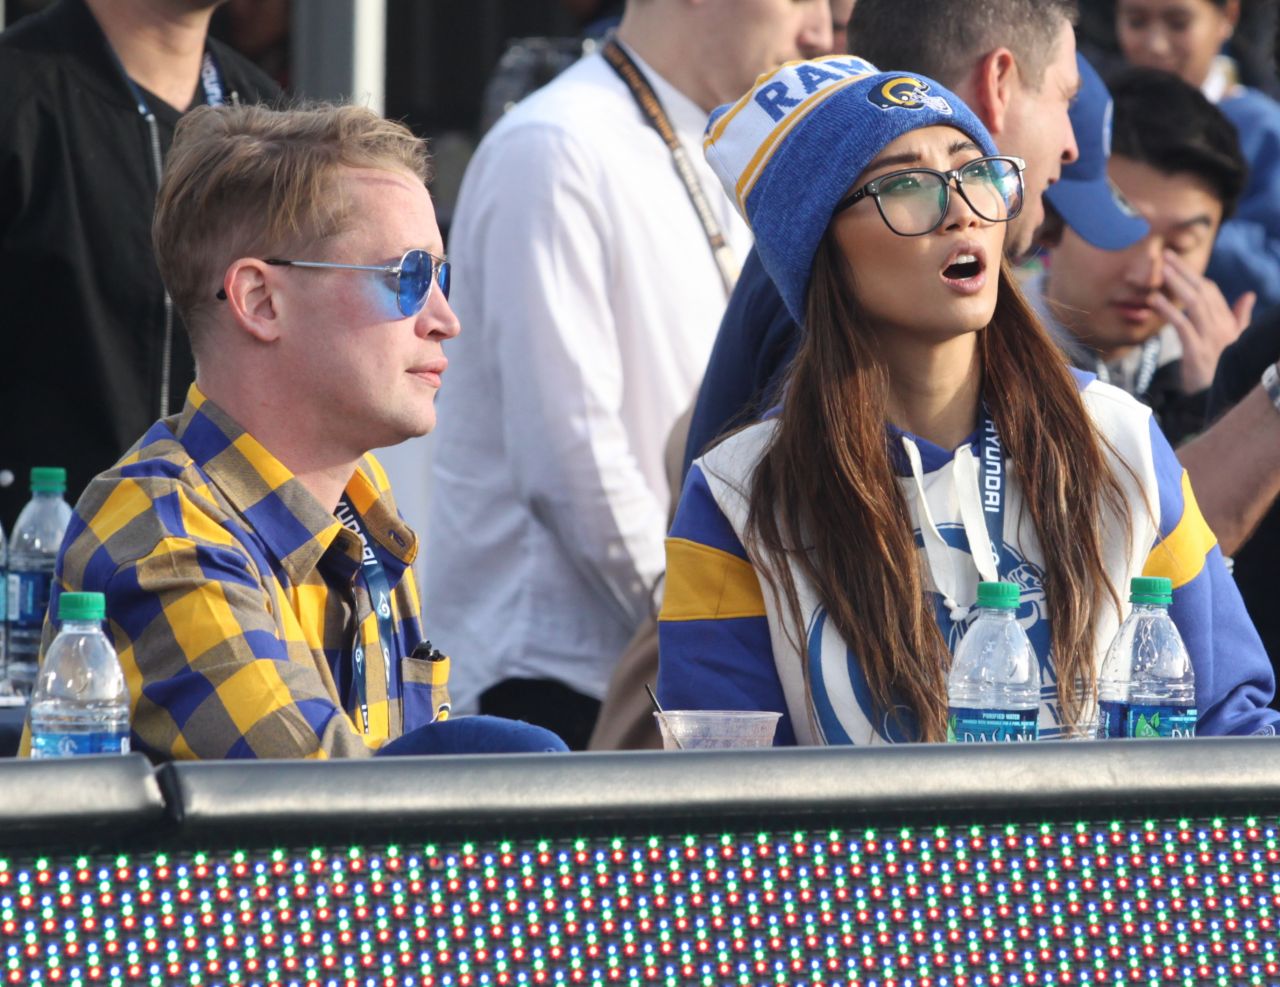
824	562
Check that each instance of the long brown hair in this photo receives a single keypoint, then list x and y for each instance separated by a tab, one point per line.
825	496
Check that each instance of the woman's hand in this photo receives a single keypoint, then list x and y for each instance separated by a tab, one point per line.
1205	323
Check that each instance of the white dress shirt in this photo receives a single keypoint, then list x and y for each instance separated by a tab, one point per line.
589	301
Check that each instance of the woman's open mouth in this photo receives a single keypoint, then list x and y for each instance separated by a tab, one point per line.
965	271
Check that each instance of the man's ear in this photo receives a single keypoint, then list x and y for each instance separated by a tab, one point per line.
1231	11
993	88
248	285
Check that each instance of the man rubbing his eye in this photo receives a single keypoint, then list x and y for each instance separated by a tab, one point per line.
1146	318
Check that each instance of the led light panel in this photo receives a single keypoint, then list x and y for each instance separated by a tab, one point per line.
1191	901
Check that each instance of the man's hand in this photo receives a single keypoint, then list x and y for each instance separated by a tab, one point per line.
1205	323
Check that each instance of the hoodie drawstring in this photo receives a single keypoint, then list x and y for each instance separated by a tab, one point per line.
969	492
941	560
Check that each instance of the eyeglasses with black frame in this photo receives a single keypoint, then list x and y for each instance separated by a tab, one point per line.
410	280
914	201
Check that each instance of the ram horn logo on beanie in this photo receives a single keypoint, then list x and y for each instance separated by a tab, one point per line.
789	150
908	92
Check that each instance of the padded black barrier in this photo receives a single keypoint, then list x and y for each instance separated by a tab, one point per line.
81	801
483	793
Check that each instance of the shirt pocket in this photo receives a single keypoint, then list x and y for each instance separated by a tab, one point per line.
426	690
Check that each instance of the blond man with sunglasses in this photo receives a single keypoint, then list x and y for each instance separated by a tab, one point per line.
257	574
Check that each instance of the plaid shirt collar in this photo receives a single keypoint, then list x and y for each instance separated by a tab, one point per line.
282	512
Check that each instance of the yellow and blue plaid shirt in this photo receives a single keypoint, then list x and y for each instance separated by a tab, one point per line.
234	602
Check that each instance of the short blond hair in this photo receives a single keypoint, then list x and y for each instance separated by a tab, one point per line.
251	181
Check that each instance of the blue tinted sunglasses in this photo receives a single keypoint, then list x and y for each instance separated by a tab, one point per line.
414	275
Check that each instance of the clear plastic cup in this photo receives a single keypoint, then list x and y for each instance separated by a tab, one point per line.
711	729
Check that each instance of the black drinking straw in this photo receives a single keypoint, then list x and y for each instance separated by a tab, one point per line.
658	706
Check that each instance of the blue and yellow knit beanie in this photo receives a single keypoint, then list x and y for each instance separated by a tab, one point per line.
789	150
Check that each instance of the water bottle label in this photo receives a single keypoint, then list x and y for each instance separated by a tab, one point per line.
970	726
29	599
74	744
1161	721
1113	719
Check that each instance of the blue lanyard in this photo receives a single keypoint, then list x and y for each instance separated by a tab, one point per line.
992	480
211	80
375	580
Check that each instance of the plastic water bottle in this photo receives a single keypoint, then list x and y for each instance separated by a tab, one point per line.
80	704
1147	687
994	687
33	553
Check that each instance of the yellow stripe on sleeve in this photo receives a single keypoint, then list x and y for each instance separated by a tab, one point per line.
126	502
705	583
199	525
1180	556
253	693
201	619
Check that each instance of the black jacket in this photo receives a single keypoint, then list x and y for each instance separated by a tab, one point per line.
82	308
1179	414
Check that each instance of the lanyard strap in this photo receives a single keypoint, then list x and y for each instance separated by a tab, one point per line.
993	475
211	80
379	590
651	108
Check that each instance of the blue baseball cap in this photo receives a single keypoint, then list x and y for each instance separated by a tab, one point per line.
1084	195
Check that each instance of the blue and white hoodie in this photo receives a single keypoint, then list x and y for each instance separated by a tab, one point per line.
724	633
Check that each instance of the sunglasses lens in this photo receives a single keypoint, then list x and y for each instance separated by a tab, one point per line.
415	282
444	276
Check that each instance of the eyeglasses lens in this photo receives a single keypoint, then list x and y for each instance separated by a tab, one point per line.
912	202
915	202
993	187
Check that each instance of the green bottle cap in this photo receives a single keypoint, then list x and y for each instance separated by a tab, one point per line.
82	606
1000	596
1151	590
48	479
